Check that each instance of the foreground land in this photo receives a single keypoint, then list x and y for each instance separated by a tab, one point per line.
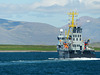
31	48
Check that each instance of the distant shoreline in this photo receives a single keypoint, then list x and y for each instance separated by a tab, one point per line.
32	48
31	51
97	50
24	51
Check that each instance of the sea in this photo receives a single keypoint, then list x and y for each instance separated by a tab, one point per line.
46	63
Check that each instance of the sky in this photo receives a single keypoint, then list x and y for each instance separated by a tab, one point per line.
53	12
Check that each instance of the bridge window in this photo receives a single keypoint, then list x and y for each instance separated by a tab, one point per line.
63	38
59	38
73	39
74	45
78	35
75	35
80	39
76	39
78	45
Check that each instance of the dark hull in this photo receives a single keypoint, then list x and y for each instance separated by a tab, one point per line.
76	54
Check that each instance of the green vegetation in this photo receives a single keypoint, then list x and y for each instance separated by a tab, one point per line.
29	47
96	48
34	47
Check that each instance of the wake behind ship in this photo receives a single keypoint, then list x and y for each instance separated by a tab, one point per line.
70	44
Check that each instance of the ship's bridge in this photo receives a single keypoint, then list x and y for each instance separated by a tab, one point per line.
77	38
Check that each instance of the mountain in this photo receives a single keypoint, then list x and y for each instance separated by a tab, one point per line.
90	26
15	32
34	33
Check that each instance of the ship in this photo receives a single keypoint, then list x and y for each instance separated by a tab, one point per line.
70	43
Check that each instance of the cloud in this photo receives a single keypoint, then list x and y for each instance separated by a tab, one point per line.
80	1
12	8
18	8
91	4
48	3
51	6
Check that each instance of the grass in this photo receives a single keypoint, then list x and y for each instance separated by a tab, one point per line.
33	47
96	48
28	47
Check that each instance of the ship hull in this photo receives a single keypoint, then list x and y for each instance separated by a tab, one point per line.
76	54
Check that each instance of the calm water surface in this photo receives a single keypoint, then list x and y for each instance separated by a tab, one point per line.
43	63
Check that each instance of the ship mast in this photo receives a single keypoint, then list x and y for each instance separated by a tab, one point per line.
72	23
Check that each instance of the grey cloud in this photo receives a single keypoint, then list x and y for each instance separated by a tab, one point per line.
80	5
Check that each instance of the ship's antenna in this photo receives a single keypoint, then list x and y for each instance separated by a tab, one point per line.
72	22
72	14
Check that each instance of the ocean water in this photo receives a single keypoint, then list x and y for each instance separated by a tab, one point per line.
46	63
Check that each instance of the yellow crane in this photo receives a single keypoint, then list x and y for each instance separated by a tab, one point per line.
72	23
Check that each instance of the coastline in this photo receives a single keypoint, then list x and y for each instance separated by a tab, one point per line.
25	51
97	50
32	51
